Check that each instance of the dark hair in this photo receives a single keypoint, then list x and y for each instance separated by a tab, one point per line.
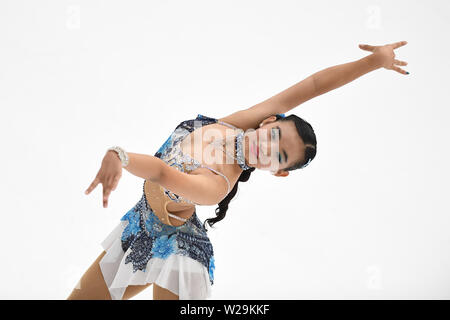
305	131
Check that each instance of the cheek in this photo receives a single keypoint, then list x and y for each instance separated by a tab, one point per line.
253	136
257	136
253	142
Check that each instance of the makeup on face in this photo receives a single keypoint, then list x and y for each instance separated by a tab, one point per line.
254	149
263	144
275	132
272	136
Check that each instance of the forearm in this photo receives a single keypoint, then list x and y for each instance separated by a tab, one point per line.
336	76
144	166
324	81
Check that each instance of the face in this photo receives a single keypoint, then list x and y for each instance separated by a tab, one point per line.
274	146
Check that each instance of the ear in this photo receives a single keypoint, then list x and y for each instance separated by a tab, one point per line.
281	173
268	120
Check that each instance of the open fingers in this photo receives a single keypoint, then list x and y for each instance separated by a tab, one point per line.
92	186
367	47
400	70
111	185
400	63
115	183
106	193
399	44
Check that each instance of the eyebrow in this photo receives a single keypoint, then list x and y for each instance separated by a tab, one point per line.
284	152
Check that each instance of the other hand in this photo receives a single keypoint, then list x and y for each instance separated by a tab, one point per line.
386	56
109	175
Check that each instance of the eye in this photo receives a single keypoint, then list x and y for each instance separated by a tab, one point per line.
274	132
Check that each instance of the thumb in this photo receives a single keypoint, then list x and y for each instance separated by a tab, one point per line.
366	47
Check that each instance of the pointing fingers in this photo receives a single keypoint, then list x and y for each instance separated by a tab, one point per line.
399	70
92	186
106	193
399	44
400	63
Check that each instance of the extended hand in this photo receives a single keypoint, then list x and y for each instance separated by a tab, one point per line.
108	175
386	55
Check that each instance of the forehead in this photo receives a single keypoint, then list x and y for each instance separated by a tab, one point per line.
290	141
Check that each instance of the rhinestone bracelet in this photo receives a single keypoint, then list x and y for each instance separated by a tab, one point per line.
122	155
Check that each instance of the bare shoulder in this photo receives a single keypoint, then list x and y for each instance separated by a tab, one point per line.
250	118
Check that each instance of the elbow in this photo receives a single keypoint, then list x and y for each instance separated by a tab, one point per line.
157	171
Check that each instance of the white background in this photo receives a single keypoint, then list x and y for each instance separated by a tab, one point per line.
369	217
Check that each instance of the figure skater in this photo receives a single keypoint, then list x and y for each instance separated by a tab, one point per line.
161	240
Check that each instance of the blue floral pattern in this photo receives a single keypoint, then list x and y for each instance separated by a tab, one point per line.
145	236
165	145
211	268
164	246
132	229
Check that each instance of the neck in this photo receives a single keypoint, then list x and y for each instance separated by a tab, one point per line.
238	150
246	142
242	151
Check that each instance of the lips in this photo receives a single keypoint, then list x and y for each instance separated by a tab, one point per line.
257	145
254	150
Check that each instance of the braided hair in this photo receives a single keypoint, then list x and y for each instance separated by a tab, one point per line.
308	136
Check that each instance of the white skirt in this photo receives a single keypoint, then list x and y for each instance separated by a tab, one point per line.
180	274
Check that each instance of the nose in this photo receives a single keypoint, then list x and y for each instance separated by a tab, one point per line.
266	144
264	148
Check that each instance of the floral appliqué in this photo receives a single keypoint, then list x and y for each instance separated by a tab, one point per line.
164	246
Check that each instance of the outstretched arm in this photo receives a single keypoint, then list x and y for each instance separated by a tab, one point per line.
324	81
317	84
203	188
336	76
141	165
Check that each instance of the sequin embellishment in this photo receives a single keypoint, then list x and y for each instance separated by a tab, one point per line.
146	236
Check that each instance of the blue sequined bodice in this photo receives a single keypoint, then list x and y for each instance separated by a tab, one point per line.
170	152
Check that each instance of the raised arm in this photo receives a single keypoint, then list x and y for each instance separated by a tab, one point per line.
324	81
317	84
336	76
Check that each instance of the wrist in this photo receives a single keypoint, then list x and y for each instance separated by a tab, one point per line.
375	61
120	154
112	156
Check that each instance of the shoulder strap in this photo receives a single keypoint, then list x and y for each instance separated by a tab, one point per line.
176	217
226	124
219	173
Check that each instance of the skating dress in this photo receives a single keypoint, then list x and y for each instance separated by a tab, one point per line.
142	249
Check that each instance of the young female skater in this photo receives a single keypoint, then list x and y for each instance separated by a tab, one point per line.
161	240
